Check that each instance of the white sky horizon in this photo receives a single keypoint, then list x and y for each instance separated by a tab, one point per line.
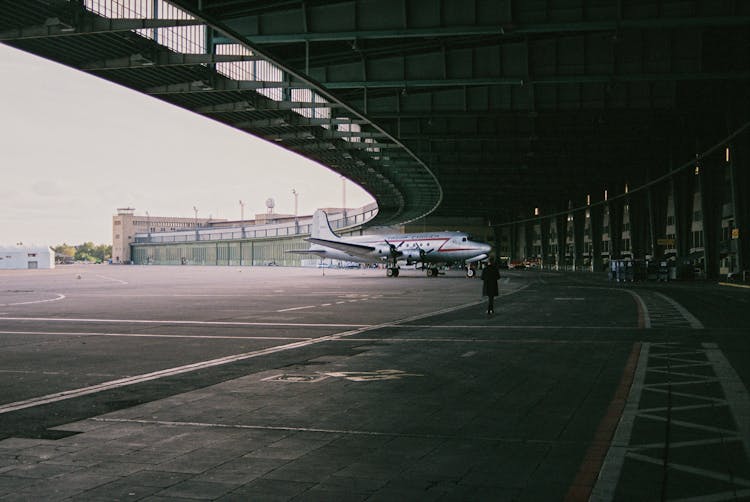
75	147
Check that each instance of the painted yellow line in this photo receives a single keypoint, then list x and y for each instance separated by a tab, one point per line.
745	286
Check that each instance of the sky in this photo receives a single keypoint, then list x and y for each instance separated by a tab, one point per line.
74	148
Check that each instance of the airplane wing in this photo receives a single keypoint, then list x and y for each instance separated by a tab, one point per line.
477	258
318	252
347	247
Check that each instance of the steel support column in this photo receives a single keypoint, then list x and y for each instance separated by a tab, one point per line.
639	229
740	178
544	224
528	240
615	228
579	224
682	194
657	211
596	219
712	201
561	221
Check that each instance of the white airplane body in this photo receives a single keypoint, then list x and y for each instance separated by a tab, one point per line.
428	248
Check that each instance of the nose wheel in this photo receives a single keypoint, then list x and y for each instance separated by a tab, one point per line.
392	272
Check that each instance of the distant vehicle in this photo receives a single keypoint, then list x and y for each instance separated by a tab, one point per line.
426	248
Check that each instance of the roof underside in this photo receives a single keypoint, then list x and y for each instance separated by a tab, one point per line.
474	108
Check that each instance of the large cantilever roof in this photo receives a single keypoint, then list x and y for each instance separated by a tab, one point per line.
482	108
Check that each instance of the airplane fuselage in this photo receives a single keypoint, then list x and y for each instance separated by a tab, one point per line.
426	247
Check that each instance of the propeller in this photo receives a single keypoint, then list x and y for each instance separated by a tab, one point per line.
423	254
394	249
395	253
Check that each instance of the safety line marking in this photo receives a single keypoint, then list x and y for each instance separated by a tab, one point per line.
170	423
733	387
609	476
122	382
690	469
744	286
694	322
297	308
191	323
154	335
583	484
111	279
59	297
644	320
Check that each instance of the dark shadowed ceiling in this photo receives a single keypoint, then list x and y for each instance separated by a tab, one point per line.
483	108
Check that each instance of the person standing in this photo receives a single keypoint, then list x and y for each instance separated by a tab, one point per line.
490	275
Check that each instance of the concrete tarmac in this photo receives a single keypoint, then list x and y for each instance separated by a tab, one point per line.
271	383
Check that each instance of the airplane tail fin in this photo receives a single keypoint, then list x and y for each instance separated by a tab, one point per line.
321	228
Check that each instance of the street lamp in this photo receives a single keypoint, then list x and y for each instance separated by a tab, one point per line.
242	218
148	226
296	221
343	197
197	236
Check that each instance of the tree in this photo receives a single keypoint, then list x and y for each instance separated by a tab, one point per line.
88	251
64	253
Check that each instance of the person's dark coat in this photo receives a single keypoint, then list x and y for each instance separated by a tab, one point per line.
490	275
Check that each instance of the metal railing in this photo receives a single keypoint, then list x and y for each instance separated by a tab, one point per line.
239	232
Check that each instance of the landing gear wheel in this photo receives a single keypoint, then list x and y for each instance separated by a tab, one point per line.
432	272
392	272
470	272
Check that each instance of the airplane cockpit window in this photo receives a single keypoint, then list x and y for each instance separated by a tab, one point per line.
463	239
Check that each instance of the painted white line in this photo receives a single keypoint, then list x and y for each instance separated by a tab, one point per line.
692	470
122	382
735	391
169	423
641	307
609	476
297	308
59	297
470	353
509	326
569	299
694	323
153	335
326	304
190	323
111	279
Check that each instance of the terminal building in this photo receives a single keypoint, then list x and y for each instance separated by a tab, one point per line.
126	224
263	240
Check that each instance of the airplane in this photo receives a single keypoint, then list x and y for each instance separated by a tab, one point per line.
427	248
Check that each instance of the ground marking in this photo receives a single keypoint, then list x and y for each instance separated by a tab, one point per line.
694	323
569	299
734	285
155	335
122	382
737	396
371	376
609	476
192	323
59	297
297	308
644	320
111	279
170	423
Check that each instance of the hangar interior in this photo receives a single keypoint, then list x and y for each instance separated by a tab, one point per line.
577	130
